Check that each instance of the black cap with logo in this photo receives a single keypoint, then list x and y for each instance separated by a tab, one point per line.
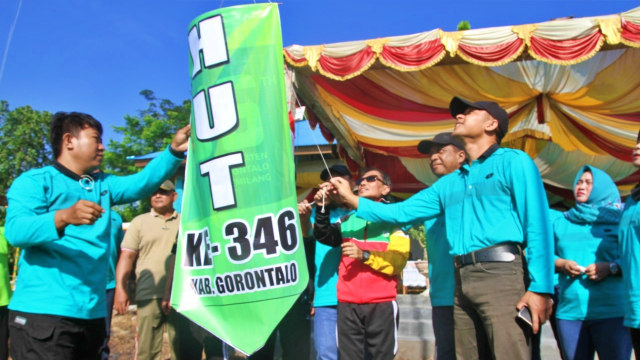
443	139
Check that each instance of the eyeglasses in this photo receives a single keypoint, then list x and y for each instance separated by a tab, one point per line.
369	179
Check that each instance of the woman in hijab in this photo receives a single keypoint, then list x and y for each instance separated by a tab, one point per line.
590	302
630	257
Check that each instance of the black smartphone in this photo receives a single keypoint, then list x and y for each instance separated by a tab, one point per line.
524	315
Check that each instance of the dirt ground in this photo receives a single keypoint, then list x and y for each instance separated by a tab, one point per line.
122	344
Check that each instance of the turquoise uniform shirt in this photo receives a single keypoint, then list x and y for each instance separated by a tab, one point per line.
580	298
587	234
326	261
442	280
629	232
65	273
116	239
498	198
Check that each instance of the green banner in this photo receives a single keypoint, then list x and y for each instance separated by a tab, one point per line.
240	262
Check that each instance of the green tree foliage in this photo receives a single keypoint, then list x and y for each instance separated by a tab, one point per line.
151	131
417	233
24	145
24	142
464	25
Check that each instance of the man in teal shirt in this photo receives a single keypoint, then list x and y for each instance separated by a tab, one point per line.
60	216
494	207
446	156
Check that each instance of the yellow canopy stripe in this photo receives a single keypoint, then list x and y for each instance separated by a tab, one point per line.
611	28
568	136
531	146
524	32
450	40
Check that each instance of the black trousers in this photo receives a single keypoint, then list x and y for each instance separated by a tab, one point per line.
4	333
373	327
295	334
635	340
37	336
191	339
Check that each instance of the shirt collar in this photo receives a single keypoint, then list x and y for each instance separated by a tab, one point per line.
65	171
173	216
489	151
486	153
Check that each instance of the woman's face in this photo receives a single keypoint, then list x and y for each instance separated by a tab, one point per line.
636	156
583	187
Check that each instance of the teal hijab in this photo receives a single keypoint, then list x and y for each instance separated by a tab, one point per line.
603	206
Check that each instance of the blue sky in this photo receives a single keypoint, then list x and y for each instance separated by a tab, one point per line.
96	56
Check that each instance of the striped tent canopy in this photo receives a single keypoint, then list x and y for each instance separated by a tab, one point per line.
571	88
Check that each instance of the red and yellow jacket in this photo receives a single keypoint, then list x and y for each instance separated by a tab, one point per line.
374	280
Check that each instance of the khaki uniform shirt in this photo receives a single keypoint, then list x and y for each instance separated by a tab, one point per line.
152	237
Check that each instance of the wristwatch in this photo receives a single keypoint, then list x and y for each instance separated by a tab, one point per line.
365	255
614	268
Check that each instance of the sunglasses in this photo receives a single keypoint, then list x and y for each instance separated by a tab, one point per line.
369	179
163	192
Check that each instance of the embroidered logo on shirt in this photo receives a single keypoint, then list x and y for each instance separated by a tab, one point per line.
488	176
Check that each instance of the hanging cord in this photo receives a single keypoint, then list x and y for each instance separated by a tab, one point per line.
315	140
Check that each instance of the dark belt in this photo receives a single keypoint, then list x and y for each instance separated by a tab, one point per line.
496	253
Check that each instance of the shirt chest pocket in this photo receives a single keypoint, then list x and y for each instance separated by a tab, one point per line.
491	192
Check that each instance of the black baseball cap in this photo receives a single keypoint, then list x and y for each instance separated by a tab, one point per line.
459	105
444	139
336	170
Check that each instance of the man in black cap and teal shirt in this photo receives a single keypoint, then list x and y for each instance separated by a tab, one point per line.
446	156
497	223
325	277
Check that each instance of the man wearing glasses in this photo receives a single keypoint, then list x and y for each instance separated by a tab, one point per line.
149	240
372	257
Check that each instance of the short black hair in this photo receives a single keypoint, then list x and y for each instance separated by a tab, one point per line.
385	178
69	122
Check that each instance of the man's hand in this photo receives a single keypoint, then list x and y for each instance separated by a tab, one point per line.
180	141
121	301
351	250
321	198
342	189
165	305
598	271
83	212
540	306
304	209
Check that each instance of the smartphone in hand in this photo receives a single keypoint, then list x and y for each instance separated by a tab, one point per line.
524	315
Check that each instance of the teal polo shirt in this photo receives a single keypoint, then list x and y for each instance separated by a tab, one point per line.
442	280
629	232
498	198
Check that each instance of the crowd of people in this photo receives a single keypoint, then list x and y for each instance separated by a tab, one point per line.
501	262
